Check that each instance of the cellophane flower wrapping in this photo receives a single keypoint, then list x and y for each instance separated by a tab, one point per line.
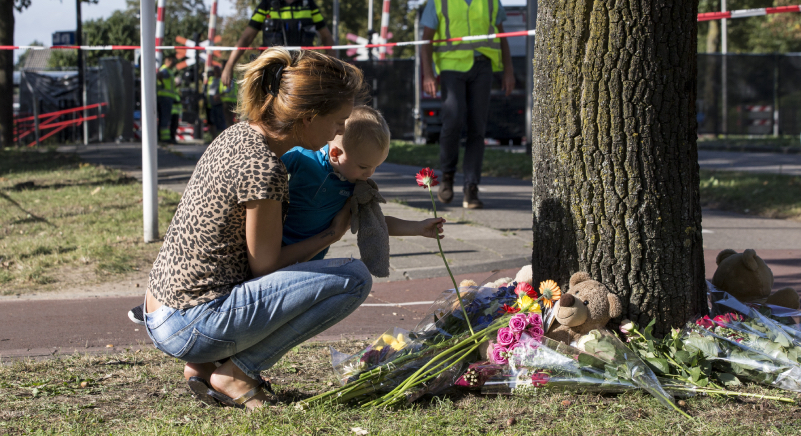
483	306
604	365
392	344
773	317
745	349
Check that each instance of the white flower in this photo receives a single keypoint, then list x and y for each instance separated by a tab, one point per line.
627	326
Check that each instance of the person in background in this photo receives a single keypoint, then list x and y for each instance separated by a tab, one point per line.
282	23
465	69
177	109
229	96
165	97
214	103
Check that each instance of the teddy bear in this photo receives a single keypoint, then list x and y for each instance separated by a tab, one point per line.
587	305
747	278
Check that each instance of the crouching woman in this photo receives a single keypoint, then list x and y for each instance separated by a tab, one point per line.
224	295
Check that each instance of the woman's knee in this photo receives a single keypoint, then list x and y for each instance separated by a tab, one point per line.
362	279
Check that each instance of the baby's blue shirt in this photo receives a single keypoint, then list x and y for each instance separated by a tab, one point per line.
316	194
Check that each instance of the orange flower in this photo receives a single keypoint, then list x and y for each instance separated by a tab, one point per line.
550	293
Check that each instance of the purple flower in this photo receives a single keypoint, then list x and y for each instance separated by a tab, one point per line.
497	354
519	322
535	319
506	337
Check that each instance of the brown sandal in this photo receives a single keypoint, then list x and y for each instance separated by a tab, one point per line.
240	401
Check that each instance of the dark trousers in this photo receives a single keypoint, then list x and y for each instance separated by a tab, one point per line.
217	118
229	109
463	94
175	119
164	112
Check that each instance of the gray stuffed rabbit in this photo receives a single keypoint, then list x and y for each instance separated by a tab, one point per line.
367	221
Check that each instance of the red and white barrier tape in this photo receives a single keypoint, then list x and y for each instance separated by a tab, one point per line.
708	16
743	13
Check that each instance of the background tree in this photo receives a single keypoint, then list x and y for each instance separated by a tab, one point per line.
615	181
779	33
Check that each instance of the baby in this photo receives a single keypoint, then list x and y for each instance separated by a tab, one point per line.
320	182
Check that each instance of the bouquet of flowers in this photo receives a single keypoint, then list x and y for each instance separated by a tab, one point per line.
604	364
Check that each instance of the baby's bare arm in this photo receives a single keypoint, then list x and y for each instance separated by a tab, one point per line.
428	227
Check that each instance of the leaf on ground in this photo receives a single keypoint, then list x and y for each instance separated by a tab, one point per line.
96	190
359	431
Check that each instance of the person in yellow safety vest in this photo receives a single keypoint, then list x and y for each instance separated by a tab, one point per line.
228	96
177	110
214	103
465	69
165	96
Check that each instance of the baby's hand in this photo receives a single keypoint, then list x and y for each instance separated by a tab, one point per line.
431	227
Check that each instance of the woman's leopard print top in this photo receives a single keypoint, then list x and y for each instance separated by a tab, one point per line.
204	253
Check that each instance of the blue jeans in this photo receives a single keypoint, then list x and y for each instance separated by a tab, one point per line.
262	319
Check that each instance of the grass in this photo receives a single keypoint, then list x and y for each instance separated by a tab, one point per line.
63	222
767	195
497	163
142	392
792	141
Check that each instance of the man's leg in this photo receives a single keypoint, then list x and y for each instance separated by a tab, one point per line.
478	87
453	88
164	109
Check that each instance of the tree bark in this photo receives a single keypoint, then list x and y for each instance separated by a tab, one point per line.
615	182
7	74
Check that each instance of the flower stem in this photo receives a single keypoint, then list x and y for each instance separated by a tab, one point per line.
731	393
441	253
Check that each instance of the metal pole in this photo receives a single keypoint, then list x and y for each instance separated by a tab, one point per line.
724	50
81	85
212	32
159	30
776	95
335	26
24	79
198	134
85	123
531	23
418	117
150	208
370	28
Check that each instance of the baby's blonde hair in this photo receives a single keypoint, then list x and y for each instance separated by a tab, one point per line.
365	125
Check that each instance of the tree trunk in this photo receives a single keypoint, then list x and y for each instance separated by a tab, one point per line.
616	184
7	74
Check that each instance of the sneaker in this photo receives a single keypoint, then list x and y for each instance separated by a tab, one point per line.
137	314
471	200
445	192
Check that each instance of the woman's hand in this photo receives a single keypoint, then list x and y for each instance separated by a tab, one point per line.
341	223
432	227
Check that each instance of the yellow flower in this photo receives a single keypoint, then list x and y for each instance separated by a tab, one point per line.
528	304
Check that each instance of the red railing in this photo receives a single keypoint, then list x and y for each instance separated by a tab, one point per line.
46	121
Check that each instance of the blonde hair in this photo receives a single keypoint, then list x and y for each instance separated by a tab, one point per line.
311	84
365	125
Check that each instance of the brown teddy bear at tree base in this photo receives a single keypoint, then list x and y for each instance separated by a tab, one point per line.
747	278
586	306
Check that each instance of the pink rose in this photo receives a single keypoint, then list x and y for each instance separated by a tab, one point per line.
506	337
529	341
498	354
539	379
535	319
519	322
536	332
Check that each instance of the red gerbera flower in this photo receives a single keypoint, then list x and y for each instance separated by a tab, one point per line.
426	178
509	309
525	288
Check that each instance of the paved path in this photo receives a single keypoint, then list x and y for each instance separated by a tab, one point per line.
478	242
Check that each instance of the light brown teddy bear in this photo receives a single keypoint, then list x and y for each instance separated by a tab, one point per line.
586	306
747	278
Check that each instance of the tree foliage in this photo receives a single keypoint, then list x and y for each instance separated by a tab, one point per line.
776	33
